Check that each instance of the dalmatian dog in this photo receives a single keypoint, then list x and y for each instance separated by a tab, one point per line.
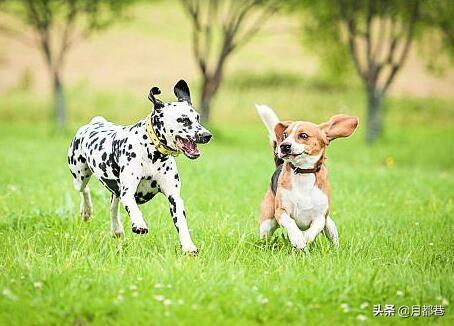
136	162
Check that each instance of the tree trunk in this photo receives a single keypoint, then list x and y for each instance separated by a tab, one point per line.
59	102
374	115
210	85
205	105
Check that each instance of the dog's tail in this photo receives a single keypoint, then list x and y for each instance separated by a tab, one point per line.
269	118
98	119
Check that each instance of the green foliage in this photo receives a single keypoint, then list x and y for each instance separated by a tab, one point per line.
95	14
437	34
322	25
321	34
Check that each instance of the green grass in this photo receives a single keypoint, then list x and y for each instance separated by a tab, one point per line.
392	202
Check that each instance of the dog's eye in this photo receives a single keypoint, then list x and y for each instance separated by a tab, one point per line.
304	135
284	135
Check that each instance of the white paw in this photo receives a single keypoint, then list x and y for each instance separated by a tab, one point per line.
298	242
118	231
85	212
190	249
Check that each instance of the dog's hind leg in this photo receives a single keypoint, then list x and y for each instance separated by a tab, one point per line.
81	174
86	206
115	217
268	223
331	232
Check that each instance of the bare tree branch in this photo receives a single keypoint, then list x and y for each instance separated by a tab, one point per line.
17	35
406	49
234	24
66	39
352	34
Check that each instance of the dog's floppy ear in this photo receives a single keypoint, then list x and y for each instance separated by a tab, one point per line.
340	125
151	96
181	91
279	130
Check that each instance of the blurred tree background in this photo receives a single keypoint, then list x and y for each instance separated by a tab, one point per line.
56	26
371	39
377	36
218	28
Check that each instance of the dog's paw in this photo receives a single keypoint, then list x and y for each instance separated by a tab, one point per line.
117	234
190	250
139	229
86	212
298	242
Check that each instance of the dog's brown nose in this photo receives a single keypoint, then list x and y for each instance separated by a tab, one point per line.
286	148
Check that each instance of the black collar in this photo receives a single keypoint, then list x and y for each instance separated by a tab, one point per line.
305	171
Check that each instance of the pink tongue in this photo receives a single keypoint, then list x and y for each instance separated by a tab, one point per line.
192	148
189	147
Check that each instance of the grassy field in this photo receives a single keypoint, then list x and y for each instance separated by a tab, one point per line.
393	204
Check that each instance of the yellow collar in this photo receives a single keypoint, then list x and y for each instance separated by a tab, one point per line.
163	149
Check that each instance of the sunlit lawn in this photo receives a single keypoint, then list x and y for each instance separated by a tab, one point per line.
392	202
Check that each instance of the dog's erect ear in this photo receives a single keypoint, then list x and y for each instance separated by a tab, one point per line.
151	96
279	130
340	125
181	91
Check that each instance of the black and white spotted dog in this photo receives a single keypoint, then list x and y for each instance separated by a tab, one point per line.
136	162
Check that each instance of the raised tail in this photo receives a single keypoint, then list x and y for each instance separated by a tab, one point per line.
98	119
269	118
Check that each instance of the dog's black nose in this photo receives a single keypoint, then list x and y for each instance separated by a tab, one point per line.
286	148
204	137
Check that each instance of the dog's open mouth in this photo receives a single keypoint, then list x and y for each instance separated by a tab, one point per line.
188	147
284	156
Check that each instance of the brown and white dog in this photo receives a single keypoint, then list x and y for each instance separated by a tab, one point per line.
299	195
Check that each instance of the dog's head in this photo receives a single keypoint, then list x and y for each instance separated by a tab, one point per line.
177	123
303	143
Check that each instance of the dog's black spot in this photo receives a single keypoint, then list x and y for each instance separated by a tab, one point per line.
184	120
173	205
81	159
112	185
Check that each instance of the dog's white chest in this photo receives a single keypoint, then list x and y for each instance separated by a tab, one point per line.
305	201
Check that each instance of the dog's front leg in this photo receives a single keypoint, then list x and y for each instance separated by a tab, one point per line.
127	192
294	233
331	231
315	228
172	191
179	219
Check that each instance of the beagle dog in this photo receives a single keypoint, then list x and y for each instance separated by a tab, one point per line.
299	194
